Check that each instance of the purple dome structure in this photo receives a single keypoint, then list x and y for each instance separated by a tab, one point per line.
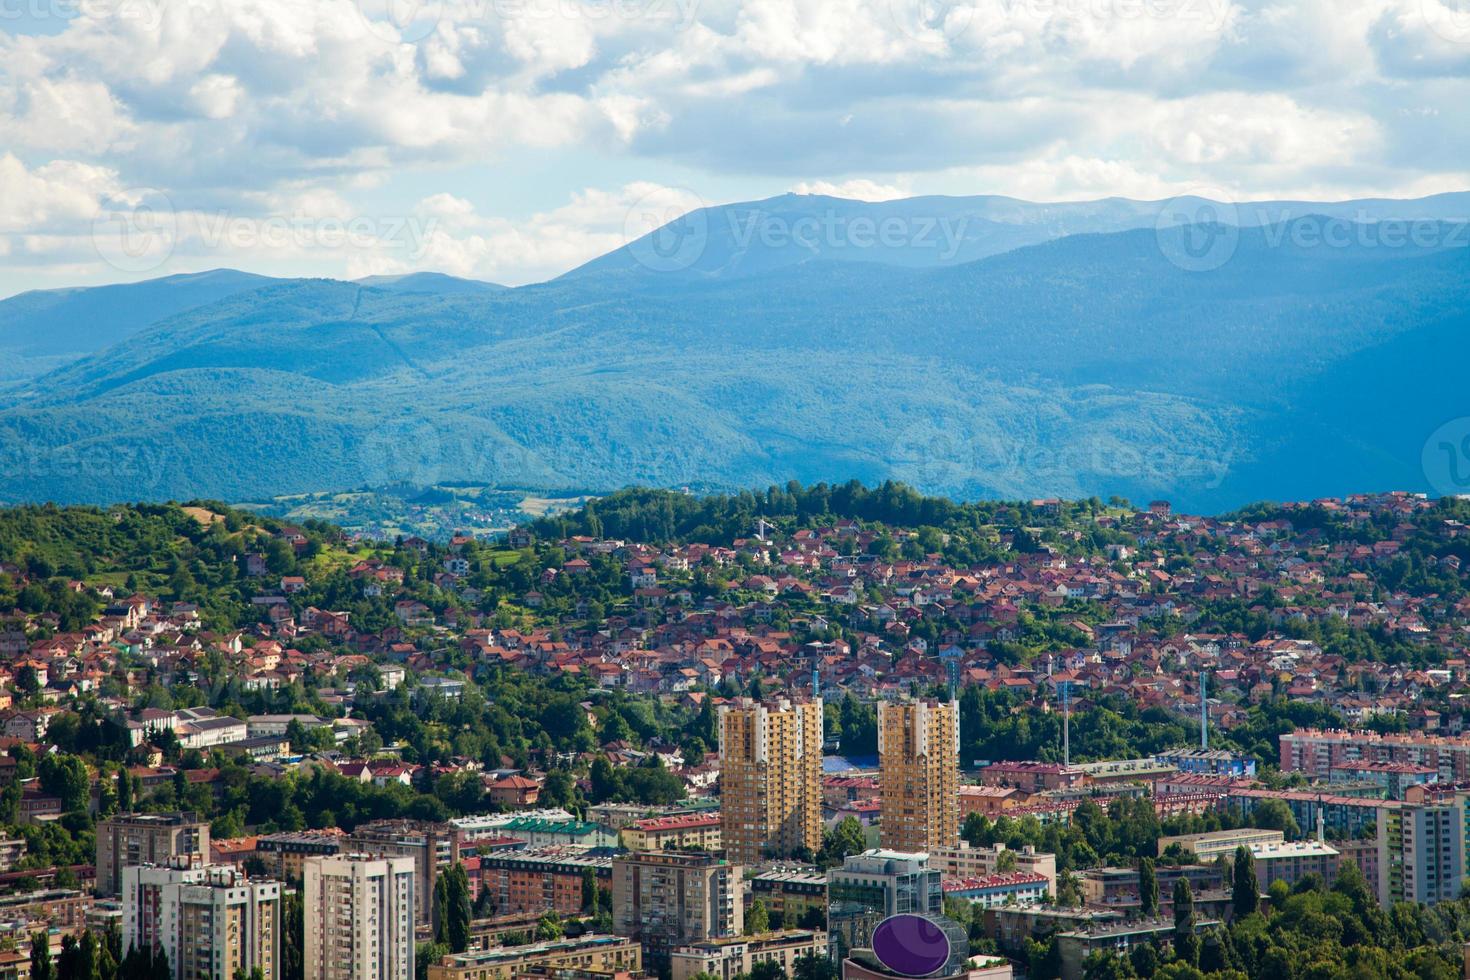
911	945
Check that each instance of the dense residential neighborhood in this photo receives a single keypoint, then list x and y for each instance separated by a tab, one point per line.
1096	740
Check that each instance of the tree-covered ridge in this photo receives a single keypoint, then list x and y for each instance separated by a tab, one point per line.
977	381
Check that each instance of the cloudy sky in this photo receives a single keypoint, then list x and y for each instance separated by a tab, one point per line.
513	139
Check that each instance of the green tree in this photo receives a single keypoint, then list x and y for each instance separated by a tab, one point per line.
458	910
842	841
1245	887
1276	815
813	967
1186	944
41	966
758	920
1148	888
426	955
124	790
549	926
65	776
293	937
589	891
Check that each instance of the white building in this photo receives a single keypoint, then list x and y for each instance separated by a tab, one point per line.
211	921
359	913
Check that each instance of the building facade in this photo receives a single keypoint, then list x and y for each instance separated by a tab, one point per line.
589	953
873	885
125	839
284	854
211	921
919	775
1421	852
725	958
1317	751
1291	861
770	778
964	861
431	846
668	899
529	882
359	913
679	832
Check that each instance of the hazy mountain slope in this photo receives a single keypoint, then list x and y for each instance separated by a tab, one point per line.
756	237
429	282
1089	365
42	329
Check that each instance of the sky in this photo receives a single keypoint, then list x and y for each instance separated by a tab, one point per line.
511	140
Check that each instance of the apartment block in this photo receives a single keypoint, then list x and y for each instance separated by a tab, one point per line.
431	846
147	838
727	958
792	893
211	921
359	913
1421	851
1292	861
964	861
285	853
679	832
522	881
1220	843
919	775
591	953
668	899
1317	752
770	778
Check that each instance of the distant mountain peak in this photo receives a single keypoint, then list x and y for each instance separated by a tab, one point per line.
429	282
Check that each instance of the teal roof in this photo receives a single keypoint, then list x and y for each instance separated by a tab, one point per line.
540	825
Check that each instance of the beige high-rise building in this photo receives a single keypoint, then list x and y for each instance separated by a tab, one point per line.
359	913
212	921
125	839
919	774
770	778
434	847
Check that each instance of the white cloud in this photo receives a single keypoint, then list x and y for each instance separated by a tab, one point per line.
855	190
303	108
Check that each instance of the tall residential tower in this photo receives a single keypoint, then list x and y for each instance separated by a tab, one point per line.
770	778
919	774
359	917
